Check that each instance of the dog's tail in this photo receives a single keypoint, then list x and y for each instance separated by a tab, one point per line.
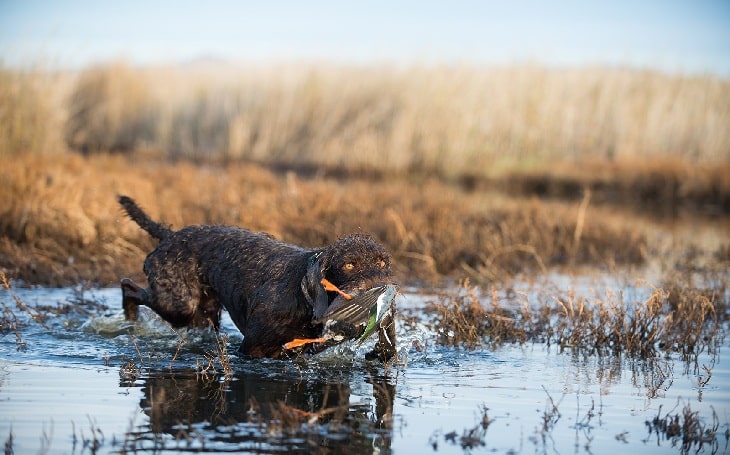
137	215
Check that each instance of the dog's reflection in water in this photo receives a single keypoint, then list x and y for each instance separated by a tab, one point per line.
254	408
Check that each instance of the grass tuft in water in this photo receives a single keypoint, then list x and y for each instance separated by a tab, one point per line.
470	438
687	322
686	430
9	443
207	368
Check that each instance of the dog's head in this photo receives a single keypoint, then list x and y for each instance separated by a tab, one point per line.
354	264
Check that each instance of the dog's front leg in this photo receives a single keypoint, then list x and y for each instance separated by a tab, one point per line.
132	297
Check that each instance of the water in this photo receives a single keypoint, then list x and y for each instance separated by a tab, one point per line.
86	381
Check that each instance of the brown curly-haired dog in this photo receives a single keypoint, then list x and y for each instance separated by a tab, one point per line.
272	290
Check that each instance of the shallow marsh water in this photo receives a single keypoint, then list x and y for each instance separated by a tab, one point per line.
86	381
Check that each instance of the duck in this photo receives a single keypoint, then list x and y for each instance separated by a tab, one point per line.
350	316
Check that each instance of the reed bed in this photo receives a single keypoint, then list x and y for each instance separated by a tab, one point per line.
688	322
451	120
32	111
60	223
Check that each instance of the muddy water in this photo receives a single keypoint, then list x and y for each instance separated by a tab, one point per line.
85	381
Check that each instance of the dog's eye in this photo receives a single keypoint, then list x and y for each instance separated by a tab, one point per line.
381	264
348	266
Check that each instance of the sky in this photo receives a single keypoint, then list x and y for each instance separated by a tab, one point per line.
672	35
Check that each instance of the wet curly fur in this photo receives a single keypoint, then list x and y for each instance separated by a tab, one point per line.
271	289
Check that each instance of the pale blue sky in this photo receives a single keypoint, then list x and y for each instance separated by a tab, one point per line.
685	36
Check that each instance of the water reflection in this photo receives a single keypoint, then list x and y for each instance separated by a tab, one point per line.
255	411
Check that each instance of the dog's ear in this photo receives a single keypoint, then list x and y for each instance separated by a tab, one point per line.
313	289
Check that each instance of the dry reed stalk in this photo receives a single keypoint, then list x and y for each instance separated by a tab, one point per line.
33	313
579	222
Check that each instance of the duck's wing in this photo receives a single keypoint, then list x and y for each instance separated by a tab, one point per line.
355	311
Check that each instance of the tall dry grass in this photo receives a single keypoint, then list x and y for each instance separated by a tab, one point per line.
31	112
109	109
448	120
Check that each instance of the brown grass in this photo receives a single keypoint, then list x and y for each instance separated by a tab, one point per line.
689	323
60	223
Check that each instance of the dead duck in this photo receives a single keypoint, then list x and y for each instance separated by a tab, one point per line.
350	317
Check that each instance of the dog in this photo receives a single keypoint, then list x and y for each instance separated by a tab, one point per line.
272	290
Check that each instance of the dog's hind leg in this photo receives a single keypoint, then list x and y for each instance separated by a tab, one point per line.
180	306
178	297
